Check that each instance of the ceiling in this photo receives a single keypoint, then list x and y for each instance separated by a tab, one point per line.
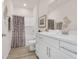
32	3
56	4
20	3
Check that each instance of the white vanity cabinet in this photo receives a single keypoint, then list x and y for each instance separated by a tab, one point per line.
52	48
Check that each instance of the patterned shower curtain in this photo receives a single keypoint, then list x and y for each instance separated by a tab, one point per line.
18	33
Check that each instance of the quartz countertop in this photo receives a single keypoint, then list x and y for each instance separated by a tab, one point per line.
71	37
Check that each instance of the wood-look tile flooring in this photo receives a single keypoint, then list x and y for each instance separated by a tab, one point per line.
21	53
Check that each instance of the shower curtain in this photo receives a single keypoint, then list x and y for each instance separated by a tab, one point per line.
18	33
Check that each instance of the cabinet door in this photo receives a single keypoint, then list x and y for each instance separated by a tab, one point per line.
57	54
41	50
44	50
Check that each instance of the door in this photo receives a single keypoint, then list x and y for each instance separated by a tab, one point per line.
4	39
18	33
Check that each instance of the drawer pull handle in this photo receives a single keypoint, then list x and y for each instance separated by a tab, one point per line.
69	50
49	53
47	50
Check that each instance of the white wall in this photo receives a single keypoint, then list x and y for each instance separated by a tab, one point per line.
67	9
43	7
35	16
22	12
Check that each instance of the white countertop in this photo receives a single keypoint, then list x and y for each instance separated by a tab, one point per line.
71	37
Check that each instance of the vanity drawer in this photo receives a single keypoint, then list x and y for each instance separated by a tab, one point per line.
53	42
68	48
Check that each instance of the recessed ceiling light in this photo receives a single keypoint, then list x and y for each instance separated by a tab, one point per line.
25	4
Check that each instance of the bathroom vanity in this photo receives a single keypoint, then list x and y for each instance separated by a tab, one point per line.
55	45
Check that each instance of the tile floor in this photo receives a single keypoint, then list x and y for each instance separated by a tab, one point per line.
21	53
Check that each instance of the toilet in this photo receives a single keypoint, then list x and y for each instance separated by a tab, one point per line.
31	44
